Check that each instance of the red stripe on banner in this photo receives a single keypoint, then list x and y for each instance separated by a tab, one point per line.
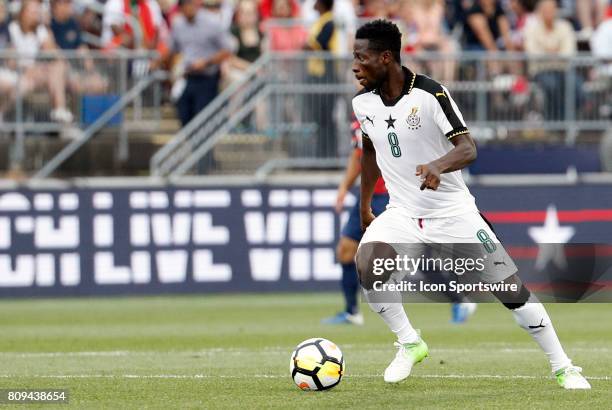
518	217
522	252
571	251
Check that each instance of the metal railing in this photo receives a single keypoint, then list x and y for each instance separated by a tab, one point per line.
297	106
193	141
68	92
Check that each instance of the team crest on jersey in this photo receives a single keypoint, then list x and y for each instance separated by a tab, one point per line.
413	120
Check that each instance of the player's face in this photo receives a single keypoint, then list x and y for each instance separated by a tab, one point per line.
368	65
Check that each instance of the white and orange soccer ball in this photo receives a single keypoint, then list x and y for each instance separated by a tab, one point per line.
317	364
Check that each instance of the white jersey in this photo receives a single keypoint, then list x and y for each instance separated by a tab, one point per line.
415	130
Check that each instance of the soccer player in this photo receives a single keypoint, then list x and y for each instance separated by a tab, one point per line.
352	233
415	137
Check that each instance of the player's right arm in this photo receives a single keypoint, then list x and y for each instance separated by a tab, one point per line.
369	174
353	168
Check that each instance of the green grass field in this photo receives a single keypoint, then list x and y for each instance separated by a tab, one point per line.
233	351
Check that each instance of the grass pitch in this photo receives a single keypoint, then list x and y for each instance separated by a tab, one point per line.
233	352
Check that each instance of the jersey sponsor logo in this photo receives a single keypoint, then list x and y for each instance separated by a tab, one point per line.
367	118
413	120
440	95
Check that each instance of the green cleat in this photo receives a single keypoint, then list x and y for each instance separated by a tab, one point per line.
408	355
570	378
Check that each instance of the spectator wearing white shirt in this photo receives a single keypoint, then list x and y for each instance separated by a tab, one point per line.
29	37
601	41
119	21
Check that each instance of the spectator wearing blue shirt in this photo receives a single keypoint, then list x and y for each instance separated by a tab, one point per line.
64	25
82	75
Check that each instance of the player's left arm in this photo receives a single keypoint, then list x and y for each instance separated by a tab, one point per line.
462	155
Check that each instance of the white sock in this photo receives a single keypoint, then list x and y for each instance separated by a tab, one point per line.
534	314
389	307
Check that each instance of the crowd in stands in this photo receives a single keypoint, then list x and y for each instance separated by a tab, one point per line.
206	43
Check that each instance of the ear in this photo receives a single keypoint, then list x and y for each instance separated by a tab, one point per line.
386	57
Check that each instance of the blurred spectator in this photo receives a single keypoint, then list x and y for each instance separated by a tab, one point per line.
120	17
4	24
601	42
487	27
82	78
590	13
248	39
522	13
276	9
28	37
549	36
345	21
374	9
426	19
247	34
65	28
199	36
8	77
90	22
285	36
323	37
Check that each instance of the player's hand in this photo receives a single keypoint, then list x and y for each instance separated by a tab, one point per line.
342	191
430	176
367	216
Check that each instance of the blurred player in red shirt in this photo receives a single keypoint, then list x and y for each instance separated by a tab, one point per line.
351	233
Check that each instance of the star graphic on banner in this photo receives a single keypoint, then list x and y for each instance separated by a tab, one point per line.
550	239
390	122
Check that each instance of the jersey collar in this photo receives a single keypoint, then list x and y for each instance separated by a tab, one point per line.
409	78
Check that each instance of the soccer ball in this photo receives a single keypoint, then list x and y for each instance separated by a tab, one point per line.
316	364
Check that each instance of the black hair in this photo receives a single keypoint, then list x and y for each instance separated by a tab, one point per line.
529	5
328	4
383	35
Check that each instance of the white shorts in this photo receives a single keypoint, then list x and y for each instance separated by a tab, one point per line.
397	228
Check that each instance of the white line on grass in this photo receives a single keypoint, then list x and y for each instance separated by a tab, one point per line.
273	376
280	349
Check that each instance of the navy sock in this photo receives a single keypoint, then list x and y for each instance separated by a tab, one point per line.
350	287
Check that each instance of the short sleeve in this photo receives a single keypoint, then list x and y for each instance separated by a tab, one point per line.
359	118
447	115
